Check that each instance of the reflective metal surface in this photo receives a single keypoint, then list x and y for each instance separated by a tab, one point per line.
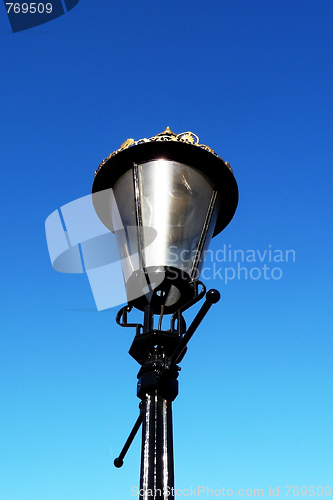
173	201
157	468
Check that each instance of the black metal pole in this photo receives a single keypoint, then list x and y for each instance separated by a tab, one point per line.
157	467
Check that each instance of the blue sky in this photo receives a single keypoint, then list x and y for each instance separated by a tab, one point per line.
253	80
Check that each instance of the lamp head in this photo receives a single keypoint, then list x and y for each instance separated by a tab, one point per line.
164	198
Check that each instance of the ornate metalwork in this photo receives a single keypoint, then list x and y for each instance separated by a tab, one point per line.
167	135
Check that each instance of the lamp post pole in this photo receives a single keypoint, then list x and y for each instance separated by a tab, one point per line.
157	468
164	197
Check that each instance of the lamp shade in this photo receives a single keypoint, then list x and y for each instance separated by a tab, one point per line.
164	198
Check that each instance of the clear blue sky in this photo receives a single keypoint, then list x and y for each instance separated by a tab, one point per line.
253	79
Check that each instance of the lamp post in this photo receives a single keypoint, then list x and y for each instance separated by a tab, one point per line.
164	198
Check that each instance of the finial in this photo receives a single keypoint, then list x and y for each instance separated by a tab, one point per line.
167	131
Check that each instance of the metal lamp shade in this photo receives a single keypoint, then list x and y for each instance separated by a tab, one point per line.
163	216
164	213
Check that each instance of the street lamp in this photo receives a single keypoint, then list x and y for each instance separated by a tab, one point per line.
164	198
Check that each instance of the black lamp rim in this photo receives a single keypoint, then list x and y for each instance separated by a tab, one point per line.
210	165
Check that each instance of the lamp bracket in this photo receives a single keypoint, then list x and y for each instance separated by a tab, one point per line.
121	319
158	352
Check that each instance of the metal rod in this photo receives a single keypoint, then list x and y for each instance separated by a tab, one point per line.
160	319
203	235
138	215
148	323
212	296
118	462
196	298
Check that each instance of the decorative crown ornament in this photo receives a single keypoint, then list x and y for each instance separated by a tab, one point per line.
167	135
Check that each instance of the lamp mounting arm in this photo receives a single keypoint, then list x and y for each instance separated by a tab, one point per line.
118	462
212	297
